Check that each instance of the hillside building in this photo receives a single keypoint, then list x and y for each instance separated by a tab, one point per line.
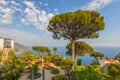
6	45
103	62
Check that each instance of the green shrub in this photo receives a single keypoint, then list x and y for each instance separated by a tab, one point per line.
118	57
86	74
79	62
79	68
55	71
114	70
35	67
60	77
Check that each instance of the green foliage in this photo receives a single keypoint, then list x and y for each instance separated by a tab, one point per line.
114	70
41	49
55	50
66	61
56	59
97	68
117	57
55	71
97	54
86	74
95	62
61	77
75	25
29	58
81	48
48	58
105	76
35	67
12	67
79	62
59	60
79	68
66	64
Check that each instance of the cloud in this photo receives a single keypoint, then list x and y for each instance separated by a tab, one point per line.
96	4
6	12
15	3
3	2
29	4
55	9
45	4
24	21
36	17
6	15
29	15
29	39
40	3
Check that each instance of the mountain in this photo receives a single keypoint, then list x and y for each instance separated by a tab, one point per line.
19	48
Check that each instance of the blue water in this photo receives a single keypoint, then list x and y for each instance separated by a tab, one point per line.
109	52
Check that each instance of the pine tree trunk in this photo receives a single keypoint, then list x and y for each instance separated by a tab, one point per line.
75	58
73	53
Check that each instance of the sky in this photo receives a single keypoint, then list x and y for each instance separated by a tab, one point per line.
26	21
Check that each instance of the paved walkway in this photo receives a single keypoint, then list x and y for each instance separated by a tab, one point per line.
48	75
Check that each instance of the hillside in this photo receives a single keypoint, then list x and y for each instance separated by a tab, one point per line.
20	48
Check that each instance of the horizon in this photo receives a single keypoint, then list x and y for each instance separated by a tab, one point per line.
26	21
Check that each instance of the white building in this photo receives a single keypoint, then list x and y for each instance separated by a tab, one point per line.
6	43
1	43
103	62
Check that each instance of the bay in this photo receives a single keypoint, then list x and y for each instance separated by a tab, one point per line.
109	52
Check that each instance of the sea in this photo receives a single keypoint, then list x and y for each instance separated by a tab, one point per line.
109	52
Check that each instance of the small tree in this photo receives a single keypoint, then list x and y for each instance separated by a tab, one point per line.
55	50
76	25
48	58
12	67
41	50
66	64
97	55
36	68
56	59
79	62
29	58
86	74
81	49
